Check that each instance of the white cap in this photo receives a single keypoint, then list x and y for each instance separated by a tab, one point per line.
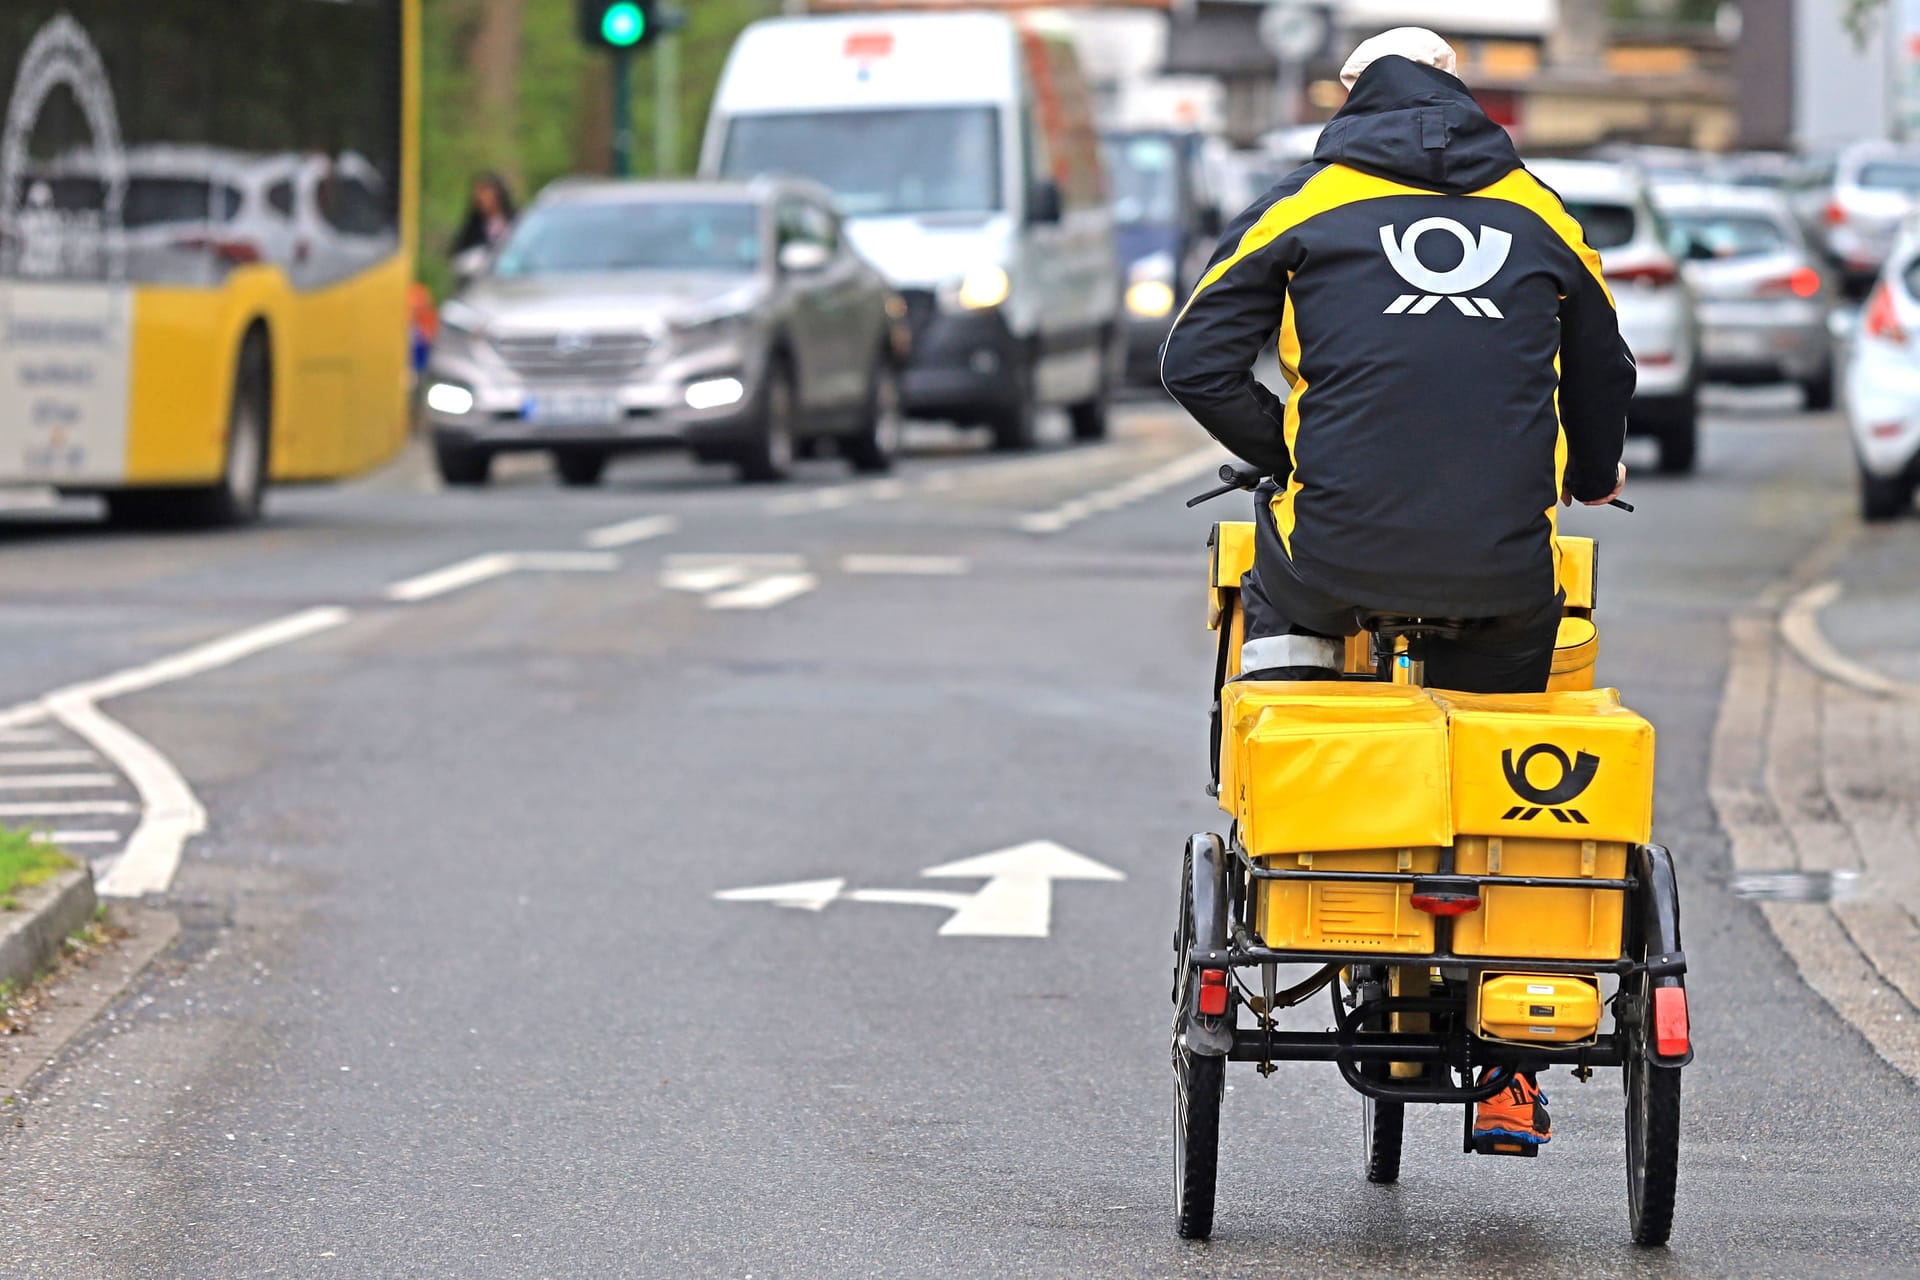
1415	44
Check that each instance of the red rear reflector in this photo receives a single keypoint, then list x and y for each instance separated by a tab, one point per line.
1213	992
1670	1039
1445	904
1835	214
1882	320
869	44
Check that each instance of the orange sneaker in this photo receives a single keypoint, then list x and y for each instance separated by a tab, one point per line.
1517	1114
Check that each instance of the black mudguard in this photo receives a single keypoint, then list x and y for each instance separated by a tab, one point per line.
1207	889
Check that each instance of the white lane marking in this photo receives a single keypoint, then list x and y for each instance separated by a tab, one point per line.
66	808
169	812
931	566
23	736
1185	467
804	895
204	657
837	497
764	593
626	532
57	781
701	579
495	564
1800	627
76	837
28	499
21	759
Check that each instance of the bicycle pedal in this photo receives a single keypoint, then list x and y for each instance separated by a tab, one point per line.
1493	1144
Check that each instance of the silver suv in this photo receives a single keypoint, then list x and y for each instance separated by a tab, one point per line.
729	318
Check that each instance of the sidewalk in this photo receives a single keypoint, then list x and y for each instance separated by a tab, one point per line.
1816	776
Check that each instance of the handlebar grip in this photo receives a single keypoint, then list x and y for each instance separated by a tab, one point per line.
1621	503
1211	494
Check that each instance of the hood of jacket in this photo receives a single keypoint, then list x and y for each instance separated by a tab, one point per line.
1418	125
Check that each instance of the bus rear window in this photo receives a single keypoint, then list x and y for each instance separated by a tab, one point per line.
151	202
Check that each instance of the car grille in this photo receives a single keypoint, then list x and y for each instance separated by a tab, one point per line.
919	309
571	354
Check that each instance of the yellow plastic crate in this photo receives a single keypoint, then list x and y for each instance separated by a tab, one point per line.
1303	915
1312	766
1542	924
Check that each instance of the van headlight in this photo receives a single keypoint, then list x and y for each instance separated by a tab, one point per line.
1150	285
979	289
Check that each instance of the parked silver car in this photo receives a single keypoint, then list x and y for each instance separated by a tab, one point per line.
1763	292
1875	186
729	318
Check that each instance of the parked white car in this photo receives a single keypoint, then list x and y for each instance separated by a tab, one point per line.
1656	304
1875	186
1883	385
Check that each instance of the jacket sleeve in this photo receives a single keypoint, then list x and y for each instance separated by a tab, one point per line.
1596	381
1207	362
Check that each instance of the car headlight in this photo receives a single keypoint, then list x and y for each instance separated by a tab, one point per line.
979	289
1149	298
449	398
714	393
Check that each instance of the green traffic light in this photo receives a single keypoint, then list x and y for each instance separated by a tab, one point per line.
622	25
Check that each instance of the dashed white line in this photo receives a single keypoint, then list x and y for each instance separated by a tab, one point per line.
1147	483
66	808
76	837
22	759
56	781
837	497
494	564
627	532
21	736
764	593
930	566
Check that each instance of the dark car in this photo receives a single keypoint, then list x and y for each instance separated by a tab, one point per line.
732	319
1165	225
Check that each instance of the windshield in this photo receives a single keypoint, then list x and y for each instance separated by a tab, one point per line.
1607	226
1143	177
1891	175
562	239
925	160
1726	235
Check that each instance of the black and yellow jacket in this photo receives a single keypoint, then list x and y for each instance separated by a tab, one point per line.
1450	344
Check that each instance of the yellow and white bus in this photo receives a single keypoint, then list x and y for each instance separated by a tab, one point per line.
207	216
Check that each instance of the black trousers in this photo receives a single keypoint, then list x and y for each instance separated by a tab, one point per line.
1512	653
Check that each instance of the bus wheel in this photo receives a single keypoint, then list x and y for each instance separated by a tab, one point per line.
241	490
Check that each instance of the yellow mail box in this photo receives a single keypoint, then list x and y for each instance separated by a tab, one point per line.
1572	764
1332	915
1313	766
1548	924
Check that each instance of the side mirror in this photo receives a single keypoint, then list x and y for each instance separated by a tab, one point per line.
469	264
798	257
1043	201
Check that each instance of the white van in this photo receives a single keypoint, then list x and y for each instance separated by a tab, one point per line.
962	151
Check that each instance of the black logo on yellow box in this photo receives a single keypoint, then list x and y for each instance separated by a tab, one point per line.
1576	776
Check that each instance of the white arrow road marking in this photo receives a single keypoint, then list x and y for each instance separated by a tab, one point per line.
625	532
466	573
806	895
1016	901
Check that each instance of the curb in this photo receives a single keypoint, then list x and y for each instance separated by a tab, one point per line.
31	936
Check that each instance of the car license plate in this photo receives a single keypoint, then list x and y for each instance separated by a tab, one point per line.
1736	344
572	409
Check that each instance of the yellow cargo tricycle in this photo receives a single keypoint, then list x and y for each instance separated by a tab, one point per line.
1470	876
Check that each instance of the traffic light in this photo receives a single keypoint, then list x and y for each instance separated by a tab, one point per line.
618	24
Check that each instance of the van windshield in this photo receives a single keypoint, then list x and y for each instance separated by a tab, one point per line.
921	160
1143	180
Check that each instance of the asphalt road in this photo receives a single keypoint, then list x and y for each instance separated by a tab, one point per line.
455	997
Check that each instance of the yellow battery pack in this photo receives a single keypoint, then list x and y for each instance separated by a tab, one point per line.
1537	1008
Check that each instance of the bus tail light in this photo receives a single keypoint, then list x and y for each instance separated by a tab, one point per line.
234	253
